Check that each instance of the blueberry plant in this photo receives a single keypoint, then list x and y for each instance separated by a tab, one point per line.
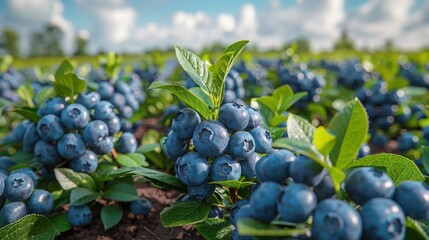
64	151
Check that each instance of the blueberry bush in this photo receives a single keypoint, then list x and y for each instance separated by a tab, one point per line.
274	149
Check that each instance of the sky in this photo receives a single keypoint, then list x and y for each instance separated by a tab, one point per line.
136	25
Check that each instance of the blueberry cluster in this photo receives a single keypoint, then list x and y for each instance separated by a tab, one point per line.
9	83
309	191
223	150
352	75
382	106
255	78
74	132
409	71
125	96
234	87
17	189
302	80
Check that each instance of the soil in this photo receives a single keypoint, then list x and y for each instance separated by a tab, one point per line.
148	228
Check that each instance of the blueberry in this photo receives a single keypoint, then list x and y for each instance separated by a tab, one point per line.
255	118
104	111
241	145
50	128
126	112
418	208
244	211
225	168
79	216
126	125
123	87
248	166
215	212
407	142
118	100
264	201
236	208
40	202
383	219
201	192
54	106
47	153
233	116
75	116
305	170
325	189
12	212
105	90
31	137
379	139
18	187
127	143
297	203
2	183
275	166
335	219
87	163
6	162
27	171
193	169
176	146
184	123
89	100
263	140
132	102
366	183
210	138
114	125
95	132
141	206
364	151
103	147
229	96
71	146
426	133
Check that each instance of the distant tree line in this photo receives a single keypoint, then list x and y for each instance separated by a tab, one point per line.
47	42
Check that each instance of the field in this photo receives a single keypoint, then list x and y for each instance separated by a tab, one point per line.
225	144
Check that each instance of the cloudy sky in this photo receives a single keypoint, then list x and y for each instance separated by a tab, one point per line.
133	25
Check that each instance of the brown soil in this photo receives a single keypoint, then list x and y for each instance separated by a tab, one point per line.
148	228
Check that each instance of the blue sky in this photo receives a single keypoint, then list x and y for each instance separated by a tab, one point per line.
133	25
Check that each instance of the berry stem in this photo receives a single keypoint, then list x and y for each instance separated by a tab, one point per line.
114	154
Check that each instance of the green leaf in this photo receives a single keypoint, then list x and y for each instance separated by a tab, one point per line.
187	97
269	102
103	170
414	231
61	222
159	178
111	215
26	93
69	85
252	227
337	176
276	132
301	147
300	129
44	94
233	184
324	140
425	158
70	179
65	68
350	128
185	213
202	95
34	227
398	168
197	69
132	160
81	196
120	191
215	229
145	148
28	113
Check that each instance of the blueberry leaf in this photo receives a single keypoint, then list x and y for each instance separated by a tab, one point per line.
28	113
80	196
215	229
111	215
132	160
69	179
65	68
69	85
324	140
29	227
187	97
185	213
350	127
300	129
398	168
61	222
26	93
276	132
197	69
233	184
252	227
121	191
414	231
